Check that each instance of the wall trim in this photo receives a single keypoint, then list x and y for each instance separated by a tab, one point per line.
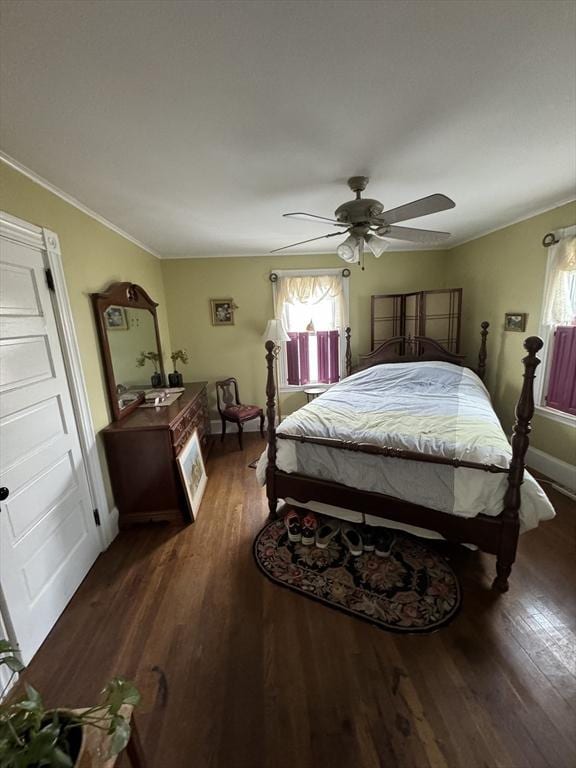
46	241
10	161
563	473
519	220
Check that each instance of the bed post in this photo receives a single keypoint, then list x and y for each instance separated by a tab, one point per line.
482	354
348	352
271	432
520	442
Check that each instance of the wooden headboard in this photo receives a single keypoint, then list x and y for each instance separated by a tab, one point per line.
406	349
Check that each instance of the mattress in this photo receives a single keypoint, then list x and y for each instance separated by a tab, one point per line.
435	408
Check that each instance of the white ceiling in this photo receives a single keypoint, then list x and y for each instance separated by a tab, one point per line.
194	125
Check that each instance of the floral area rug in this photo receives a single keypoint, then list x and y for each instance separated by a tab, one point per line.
412	590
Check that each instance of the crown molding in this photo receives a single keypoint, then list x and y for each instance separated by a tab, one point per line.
522	218
10	161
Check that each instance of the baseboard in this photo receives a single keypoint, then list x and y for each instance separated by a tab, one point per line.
113	526
563	473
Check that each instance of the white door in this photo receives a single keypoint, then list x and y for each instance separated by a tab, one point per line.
48	536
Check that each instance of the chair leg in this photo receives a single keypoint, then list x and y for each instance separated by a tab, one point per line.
223	430
240	434
262	425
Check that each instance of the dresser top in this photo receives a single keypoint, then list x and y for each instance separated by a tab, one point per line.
161	417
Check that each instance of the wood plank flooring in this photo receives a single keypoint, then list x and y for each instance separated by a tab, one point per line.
236	672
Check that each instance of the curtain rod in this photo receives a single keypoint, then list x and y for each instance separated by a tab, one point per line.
549	239
273	277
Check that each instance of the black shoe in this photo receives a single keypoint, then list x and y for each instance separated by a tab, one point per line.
368	538
384	543
351	539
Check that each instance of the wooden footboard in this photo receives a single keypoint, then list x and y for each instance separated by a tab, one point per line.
497	535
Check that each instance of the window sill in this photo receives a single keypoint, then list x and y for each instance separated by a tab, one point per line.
285	388
554	415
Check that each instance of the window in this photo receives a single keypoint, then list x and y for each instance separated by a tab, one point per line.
313	307
556	391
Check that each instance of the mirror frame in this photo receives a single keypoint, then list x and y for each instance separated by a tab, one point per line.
131	296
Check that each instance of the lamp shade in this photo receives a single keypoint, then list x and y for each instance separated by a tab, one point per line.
376	245
275	332
348	250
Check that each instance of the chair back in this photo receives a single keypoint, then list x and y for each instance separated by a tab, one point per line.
227	394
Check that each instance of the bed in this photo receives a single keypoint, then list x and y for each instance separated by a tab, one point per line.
410	440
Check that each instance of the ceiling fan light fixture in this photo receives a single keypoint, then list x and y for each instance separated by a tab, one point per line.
376	245
348	250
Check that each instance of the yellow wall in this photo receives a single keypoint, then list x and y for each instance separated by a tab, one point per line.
93	256
504	272
501	272
218	352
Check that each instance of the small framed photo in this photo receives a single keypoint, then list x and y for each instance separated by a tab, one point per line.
192	473
116	319
515	321
222	311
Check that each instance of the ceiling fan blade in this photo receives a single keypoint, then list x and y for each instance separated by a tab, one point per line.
311	240
413	235
312	217
422	207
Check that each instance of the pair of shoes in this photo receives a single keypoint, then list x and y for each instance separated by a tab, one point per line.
301	530
352	539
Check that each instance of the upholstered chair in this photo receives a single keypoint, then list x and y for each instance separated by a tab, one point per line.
231	409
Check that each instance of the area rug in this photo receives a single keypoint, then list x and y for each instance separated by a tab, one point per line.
414	590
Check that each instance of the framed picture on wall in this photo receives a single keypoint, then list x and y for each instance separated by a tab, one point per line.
515	321
116	319
192	473
222	311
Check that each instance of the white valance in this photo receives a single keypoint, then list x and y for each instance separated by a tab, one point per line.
310	290
558	306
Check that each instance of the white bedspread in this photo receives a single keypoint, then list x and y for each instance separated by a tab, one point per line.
432	407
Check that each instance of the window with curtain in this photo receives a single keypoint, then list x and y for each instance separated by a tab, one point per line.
313	307
559	325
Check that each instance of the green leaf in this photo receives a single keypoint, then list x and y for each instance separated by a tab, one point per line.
12	663
120	735
60	759
120	691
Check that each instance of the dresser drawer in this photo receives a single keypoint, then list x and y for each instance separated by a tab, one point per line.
195	417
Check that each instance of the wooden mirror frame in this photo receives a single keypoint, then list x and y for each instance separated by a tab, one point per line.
131	296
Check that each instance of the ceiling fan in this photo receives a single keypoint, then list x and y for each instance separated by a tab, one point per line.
367	223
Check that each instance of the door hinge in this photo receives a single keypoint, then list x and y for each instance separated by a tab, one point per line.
49	280
96	517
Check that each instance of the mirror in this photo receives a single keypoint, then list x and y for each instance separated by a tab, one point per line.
130	344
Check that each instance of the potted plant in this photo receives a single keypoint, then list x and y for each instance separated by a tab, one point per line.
175	379
32	736
154	358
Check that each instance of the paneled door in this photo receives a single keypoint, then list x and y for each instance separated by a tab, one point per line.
48	536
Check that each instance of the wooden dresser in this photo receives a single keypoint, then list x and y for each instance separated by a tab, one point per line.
141	450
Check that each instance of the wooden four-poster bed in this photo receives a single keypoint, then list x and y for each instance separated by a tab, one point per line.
496	534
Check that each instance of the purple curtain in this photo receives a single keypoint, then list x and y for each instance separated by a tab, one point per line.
293	370
562	383
334	356
323	361
297	359
328	356
304	358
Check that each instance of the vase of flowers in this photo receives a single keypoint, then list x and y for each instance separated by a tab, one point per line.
175	378
31	735
154	358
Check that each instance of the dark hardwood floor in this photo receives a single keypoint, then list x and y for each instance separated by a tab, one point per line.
236	672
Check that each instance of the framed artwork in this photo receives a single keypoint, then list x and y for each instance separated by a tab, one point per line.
192	473
222	311
515	321
116	319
